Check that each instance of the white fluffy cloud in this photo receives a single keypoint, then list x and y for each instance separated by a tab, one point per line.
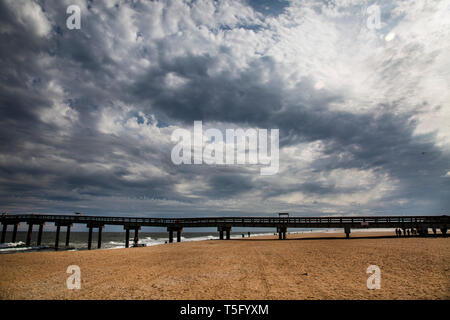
30	15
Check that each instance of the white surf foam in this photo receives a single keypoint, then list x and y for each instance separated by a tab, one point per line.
18	246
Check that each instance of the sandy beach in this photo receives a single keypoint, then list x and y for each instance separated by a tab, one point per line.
305	266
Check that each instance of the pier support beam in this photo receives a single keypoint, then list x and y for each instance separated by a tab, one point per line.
90	238
173	229
136	236
68	235
30	230
281	232
423	231
99	240
347	232
227	230
14	235
58	229
127	238
5	227
136	228
41	229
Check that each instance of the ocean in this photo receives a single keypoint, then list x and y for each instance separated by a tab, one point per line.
110	240
115	240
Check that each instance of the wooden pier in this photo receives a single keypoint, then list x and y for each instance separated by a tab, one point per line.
223	224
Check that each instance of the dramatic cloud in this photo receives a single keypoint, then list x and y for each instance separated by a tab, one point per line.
86	116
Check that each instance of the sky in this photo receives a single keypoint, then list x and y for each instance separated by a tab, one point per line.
362	106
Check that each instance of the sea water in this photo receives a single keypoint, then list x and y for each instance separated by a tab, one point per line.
115	240
110	240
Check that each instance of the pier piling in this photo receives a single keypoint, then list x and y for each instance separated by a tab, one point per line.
68	235
282	232
227	230
90	238
127	237
5	227
91	226
99	240
136	235
14	235
171	230
136	228
30	230
58	229
41	229
347	232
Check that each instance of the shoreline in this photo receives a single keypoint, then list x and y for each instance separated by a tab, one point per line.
19	247
312	266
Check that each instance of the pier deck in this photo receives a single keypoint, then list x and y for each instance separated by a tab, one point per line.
223	224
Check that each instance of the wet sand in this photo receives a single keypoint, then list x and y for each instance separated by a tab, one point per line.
306	266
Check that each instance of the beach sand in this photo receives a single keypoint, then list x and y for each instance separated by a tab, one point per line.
306	266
